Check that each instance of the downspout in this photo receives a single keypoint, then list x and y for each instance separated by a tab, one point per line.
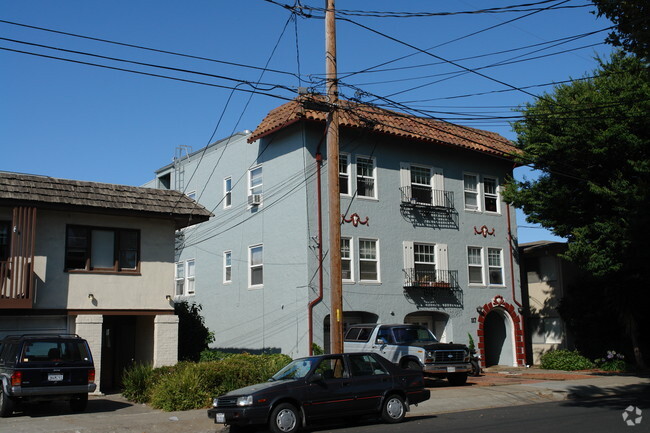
312	304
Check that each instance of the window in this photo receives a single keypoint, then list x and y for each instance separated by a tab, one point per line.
471	191
227	193
495	266
344	174
256	266
102	249
366	177
421	189
346	259
368	260
365	365
255	180
227	267
185	277
475	265
425	263
5	240
191	195
490	194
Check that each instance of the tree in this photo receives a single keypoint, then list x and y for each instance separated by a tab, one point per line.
632	19
193	335
591	139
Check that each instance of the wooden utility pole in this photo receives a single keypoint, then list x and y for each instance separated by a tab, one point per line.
336	290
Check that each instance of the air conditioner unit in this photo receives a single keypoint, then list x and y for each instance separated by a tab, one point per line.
255	199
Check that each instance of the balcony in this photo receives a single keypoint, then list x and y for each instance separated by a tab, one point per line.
438	278
424	198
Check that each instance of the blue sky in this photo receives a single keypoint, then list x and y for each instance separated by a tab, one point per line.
78	121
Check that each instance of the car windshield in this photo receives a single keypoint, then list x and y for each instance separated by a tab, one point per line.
295	370
413	335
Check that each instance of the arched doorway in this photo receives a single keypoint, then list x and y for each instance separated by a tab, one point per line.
500	334
435	321
349	318
498	347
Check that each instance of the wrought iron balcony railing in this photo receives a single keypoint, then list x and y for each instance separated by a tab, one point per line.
438	278
424	197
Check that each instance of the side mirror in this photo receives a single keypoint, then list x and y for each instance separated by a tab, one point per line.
381	340
316	377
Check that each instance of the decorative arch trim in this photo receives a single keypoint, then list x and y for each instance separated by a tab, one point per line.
498	303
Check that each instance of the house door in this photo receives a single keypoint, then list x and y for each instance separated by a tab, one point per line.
498	339
118	350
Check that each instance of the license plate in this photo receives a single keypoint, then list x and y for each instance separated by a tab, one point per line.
451	369
55	377
221	418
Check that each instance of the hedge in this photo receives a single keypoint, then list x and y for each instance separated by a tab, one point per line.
189	385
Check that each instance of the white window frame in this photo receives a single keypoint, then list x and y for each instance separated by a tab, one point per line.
187	280
227	193
481	266
496	195
227	257
251	267
347	173
259	188
350	258
373	177
376	260
500	267
476	192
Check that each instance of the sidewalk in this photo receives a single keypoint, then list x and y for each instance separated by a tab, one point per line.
496	388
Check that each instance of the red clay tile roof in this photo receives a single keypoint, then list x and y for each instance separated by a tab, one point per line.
17	189
356	115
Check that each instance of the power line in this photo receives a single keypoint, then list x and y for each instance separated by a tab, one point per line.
149	74
140	47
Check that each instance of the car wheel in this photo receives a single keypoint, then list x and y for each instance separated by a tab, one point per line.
285	418
6	404
457	379
413	365
393	410
79	402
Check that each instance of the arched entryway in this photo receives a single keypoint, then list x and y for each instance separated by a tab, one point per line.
435	321
500	334
349	318
498	345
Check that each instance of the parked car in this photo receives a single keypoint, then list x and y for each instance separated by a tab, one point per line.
320	387
411	346
45	367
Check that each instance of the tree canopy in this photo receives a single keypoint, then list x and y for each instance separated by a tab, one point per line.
631	18
591	139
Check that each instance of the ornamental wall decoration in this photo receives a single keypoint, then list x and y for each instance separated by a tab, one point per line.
355	219
484	231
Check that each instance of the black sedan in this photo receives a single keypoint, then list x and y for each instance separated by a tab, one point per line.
321	387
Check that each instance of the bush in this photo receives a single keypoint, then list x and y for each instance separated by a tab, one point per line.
213	355
189	385
193	335
565	360
611	362
137	381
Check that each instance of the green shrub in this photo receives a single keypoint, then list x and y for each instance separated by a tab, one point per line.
316	349
611	362
565	360
137	381
213	355
189	385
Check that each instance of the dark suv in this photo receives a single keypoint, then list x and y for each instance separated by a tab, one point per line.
45	367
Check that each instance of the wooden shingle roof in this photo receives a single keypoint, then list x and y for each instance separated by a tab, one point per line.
379	120
18	189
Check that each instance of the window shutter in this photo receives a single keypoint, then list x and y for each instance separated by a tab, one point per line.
405	182
438	187
409	263
442	263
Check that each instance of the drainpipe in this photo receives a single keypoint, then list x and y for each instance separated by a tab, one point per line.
312	304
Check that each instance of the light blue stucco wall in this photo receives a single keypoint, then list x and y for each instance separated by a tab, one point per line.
275	316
